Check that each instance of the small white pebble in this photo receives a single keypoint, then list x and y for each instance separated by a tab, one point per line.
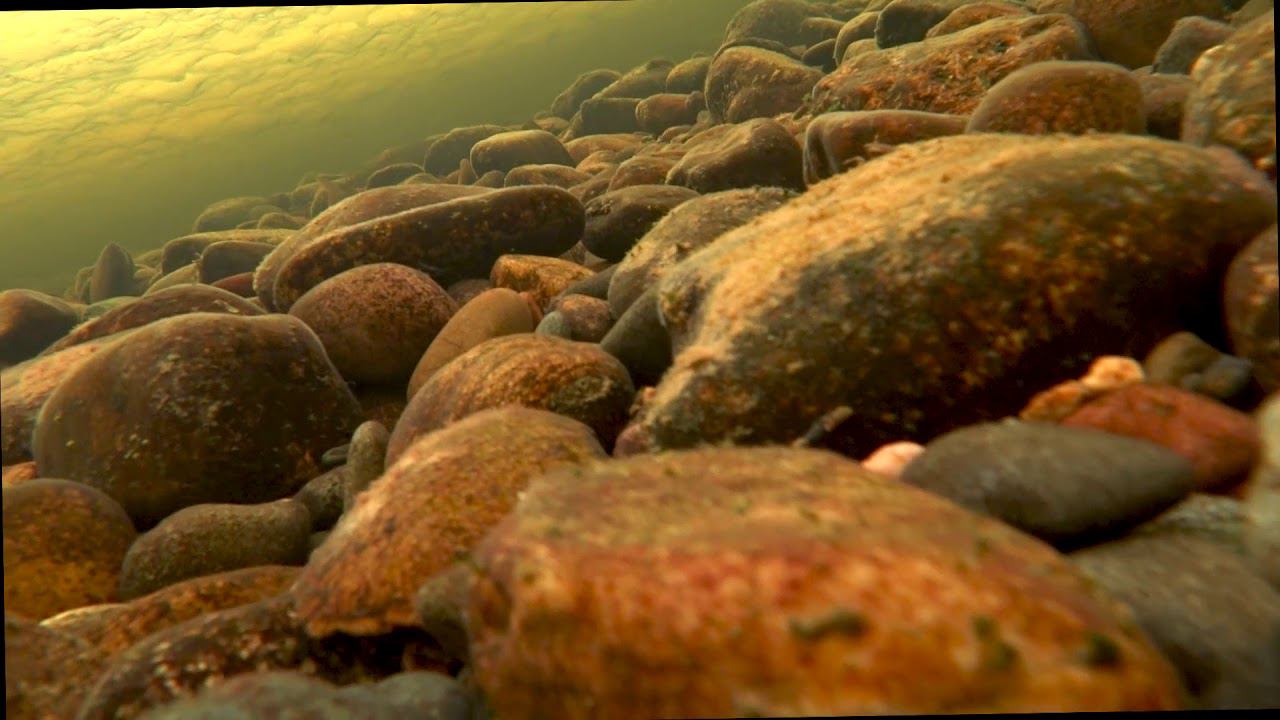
890	460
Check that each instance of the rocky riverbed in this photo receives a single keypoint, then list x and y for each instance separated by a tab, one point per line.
895	356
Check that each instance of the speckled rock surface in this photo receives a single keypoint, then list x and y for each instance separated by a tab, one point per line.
764	343
776	567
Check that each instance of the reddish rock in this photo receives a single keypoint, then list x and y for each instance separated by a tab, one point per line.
949	73
835	142
542	277
1067	97
749	82
375	321
1221	443
438	498
63	546
975	13
659	112
196	408
493	313
1163	99
1129	32
20	473
575	379
588	318
558	175
776	567
46	672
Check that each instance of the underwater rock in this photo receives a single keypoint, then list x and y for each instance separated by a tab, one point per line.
450	240
240	285
749	82
182	251
578	380
438	497
683	231
162	304
1063	97
582	148
464	290
658	112
783	21
1190	37
493	313
1067	486
1216	518
281	221
392	175
226	214
639	340
230	257
25	387
773	566
820	56
492	179
200	408
1163	99
587	318
366	460
116	627
63	546
1252	304
376	320
950	73
507	150
322	497
890	460
1262	498
975	13
1203	608
445	153
605	115
1129	32
618	218
640	170
641	81
1185	361
112	274
30	322
907	21
542	277
213	538
760	321
19	473
596	286
558	175
688	76
1219	442
185	275
45	671
383	404
837	141
861	27
754	153
585	86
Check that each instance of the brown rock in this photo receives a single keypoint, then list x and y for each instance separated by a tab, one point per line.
441	495
1190	37
641	170
464	290
214	538
230	257
1252	304
1261	506
452	240
605	115
749	82
783	21
1220	443
445	153
63	545
618	218
886	231
384	405
861	27
1129	32
1163	98
558	175
659	112
582	148
25	387
226	214
543	277
115	628
588	318
639	82
776	566
688	76
45	671
112	274
586	85
949	73
975	13
837	141
159	305
578	380
240	285
376	320
908	21
20	473
194	409
31	321
507	150
392	175
493	313
1067	97
755	153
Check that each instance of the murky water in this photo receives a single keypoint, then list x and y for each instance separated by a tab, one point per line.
122	125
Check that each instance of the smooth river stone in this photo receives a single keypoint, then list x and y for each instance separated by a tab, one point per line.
858	293
449	241
195	409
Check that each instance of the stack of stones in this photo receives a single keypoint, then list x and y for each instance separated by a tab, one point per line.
898	356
